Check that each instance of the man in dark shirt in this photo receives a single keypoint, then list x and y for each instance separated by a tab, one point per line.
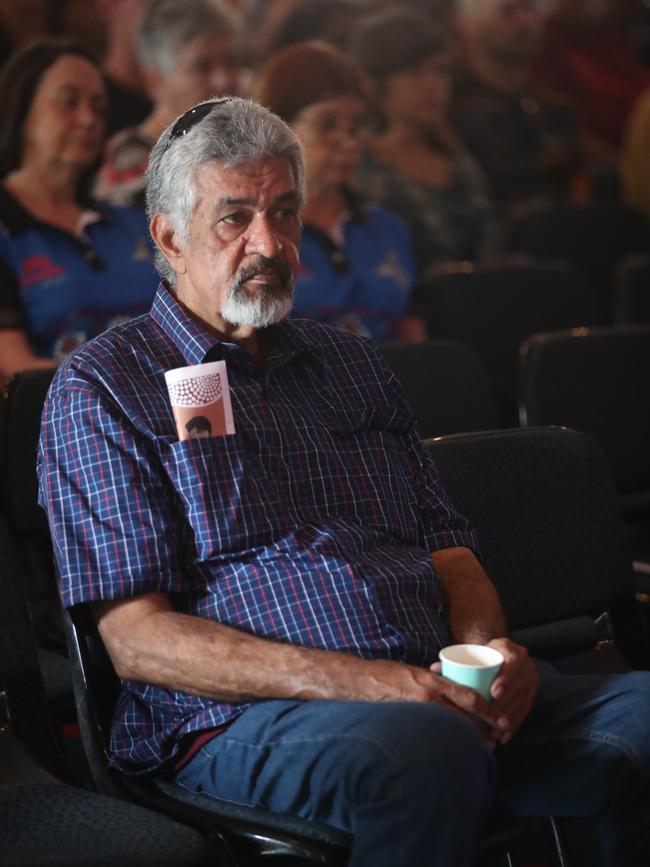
275	599
528	147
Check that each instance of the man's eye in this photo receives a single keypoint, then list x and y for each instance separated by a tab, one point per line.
232	219
285	214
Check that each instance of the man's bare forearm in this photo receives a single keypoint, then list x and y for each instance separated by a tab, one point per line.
474	611
150	642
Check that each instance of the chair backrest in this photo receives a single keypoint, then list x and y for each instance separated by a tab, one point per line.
596	380
593	239
20	422
21	680
446	385
632	299
23	404
493	309
549	525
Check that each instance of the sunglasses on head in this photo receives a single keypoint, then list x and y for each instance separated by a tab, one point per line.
191	118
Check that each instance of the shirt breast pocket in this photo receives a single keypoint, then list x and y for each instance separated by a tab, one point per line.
226	501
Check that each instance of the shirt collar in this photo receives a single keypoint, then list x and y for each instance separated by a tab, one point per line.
285	340
192	340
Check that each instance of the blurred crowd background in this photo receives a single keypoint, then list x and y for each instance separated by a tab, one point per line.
430	127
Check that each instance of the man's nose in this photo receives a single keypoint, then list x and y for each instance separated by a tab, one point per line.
263	238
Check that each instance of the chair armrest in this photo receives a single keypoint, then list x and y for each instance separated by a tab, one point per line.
563	637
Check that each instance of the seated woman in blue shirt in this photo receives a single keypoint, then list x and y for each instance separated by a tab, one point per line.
68	267
357	270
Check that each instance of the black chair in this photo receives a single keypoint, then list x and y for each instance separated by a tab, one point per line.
446	385
49	825
43	821
594	239
551	534
598	380
493	309
24	707
20	414
254	833
552	539
632	298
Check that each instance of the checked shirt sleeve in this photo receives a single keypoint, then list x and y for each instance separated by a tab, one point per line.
444	527
109	507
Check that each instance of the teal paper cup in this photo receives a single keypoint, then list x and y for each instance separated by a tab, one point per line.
473	665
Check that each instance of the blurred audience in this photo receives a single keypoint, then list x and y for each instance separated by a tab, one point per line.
416	164
21	22
589	59
107	29
189	52
527	146
331	21
68	269
275	25
357	268
635	156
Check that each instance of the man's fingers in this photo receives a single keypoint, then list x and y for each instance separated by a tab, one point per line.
469	701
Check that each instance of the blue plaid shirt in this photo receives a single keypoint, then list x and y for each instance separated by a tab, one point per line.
312	524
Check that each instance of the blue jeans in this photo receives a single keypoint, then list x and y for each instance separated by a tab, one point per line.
414	782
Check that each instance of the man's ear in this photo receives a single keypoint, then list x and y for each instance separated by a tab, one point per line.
164	236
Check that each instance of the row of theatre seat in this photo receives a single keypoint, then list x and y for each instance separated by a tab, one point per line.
595	380
546	502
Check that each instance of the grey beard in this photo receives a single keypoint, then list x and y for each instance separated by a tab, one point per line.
267	305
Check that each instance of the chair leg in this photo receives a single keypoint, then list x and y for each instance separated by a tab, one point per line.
557	835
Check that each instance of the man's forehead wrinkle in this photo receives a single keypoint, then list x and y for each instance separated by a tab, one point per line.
226	201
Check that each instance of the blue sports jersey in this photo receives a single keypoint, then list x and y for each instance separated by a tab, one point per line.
364	285
63	289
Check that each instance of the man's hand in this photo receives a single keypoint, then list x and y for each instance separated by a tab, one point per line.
513	691
390	681
515	688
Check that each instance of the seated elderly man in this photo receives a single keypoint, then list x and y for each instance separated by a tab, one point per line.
275	598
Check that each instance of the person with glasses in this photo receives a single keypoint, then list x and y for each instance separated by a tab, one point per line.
357	269
69	267
275	599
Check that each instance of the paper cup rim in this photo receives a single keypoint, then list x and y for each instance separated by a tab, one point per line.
490	650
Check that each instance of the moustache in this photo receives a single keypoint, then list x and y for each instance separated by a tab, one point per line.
262	265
